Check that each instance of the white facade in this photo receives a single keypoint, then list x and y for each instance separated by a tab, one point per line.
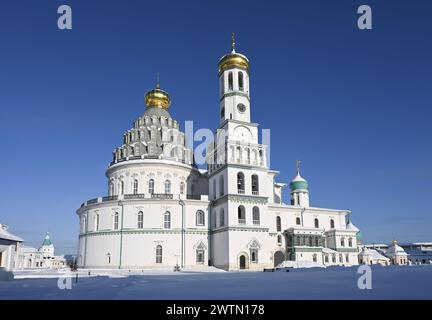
161	210
9	245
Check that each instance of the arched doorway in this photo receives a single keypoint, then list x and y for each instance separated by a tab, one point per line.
278	258
242	262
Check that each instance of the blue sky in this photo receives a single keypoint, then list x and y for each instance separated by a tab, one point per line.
353	106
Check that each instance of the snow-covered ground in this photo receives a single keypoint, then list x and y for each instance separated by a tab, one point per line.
409	282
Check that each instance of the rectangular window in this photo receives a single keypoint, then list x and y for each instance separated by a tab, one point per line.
200	256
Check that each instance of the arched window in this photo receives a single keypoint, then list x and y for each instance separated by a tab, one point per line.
167	220
256	216
255	186
316	223
334	258
96	224
342	242
326	259
108	258
222	218
221	185
254	254
240	81
167	187
240	182
278	224
350	244
331	224
151	186
214	189
279	240
83	224
140	224
314	257
340	258
182	187
116	221
135	187
111	189
200	218
238	154
159	254
241	215
298	222
230	81
121	187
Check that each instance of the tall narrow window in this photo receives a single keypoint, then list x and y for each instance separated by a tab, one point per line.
167	187
111	189
151	186
83	224
254	255
200	218
278	224
298	221
200	256
159	254
182	187
314	257
108	258
279	240
140	224
230	81
332	225
222	218
254	184
350	244
167	220
116	221
96	224
241	215
256	215
316	222
221	185
222	112
240	81
342	242
121	187
240	183
346	257
135	187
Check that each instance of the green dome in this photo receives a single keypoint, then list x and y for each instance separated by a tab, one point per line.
296	185
359	236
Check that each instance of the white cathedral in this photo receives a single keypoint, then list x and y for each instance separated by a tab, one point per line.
162	211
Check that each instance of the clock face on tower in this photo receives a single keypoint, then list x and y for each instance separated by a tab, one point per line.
241	107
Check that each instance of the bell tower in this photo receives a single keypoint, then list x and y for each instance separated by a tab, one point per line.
233	75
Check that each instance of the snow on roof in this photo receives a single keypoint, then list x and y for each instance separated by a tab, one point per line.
351	226
4	234
27	249
395	250
328	250
373	253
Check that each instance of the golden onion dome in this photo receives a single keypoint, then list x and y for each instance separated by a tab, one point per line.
233	59
157	98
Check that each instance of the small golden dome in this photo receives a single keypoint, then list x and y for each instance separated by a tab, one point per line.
233	59
157	98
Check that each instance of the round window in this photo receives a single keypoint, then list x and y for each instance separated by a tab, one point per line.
241	107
